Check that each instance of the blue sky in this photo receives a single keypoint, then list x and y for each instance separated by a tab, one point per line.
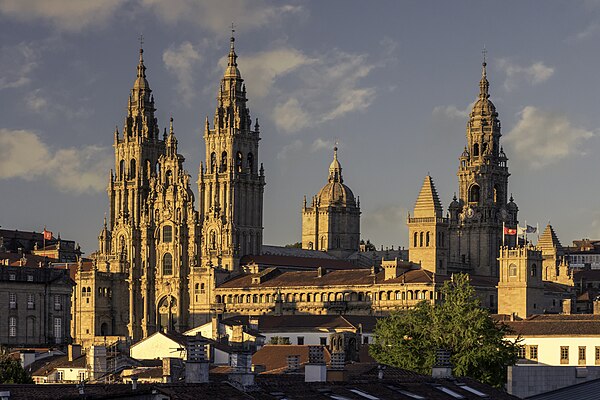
392	81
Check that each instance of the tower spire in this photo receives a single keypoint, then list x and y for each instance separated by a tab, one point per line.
335	168
484	85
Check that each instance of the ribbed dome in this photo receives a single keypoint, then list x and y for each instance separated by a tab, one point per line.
336	193
483	106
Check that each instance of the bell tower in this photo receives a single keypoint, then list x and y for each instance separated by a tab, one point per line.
478	215
231	181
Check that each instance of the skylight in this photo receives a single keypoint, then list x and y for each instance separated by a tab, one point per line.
450	392
363	394
472	390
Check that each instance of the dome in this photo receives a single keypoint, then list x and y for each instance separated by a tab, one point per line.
483	106
336	193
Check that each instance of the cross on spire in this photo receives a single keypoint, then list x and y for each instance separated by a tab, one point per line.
484	52
232	29
141	41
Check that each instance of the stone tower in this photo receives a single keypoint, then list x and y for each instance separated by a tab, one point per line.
138	283
428	230
555	265
478	215
521	288
332	222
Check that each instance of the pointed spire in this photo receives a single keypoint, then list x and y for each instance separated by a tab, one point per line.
549	240
484	85
428	203
335	168
232	71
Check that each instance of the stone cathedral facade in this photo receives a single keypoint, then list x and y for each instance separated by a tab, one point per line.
168	261
159	259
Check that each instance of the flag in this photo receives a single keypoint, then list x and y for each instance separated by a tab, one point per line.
510	231
530	229
47	235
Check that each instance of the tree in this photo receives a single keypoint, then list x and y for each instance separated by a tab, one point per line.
297	245
409	339
12	372
368	245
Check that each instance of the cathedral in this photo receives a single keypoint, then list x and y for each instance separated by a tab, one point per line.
167	261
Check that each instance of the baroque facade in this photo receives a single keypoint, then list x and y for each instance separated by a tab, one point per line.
162	264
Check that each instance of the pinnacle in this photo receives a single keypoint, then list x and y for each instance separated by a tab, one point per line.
428	203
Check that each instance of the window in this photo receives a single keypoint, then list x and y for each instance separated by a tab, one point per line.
581	358
29	278
167	264
30	301
365	340
521	352
300	340
202	290
250	162
12	277
474	194
59	375
12	300
564	354
57	302
533	269
512	270
12	327
533	352
167	233
323	341
597	355
57	330
81	376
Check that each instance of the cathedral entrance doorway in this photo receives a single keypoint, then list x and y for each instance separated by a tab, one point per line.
167	313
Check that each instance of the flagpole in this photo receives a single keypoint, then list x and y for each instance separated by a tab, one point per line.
44	235
503	233
525	233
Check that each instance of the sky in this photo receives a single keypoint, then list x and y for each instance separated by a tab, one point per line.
391	81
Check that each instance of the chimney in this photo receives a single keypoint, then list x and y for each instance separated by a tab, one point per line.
27	358
96	361
241	375
315	370
320	272
74	351
196	366
134	380
596	305
442	367
567	306
293	363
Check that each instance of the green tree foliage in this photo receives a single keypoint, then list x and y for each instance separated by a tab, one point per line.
297	245
12	372
409	339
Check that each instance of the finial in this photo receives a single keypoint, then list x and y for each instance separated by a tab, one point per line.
141	43
171	125
511	198
232	35
484	52
105	219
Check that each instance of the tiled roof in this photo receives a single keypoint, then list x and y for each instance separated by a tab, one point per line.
558	325
274	356
292	262
587	274
331	278
295	252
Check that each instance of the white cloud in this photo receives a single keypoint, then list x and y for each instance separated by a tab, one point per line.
452	111
516	74
587	32
69	15
320	144
307	91
38	102
16	65
180	61
541	137
262	69
24	155
384	222
289	149
217	16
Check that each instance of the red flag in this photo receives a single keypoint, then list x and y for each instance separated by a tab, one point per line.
510	231
47	235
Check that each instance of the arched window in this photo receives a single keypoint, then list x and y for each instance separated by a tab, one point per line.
421	239
250	163
427	239
484	149
122	170
132	169
239	159
167	234
323	243
474	194
533	269
512	270
213	240
167	264
476	150
213	162
416	239
224	161
169	177
157	169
